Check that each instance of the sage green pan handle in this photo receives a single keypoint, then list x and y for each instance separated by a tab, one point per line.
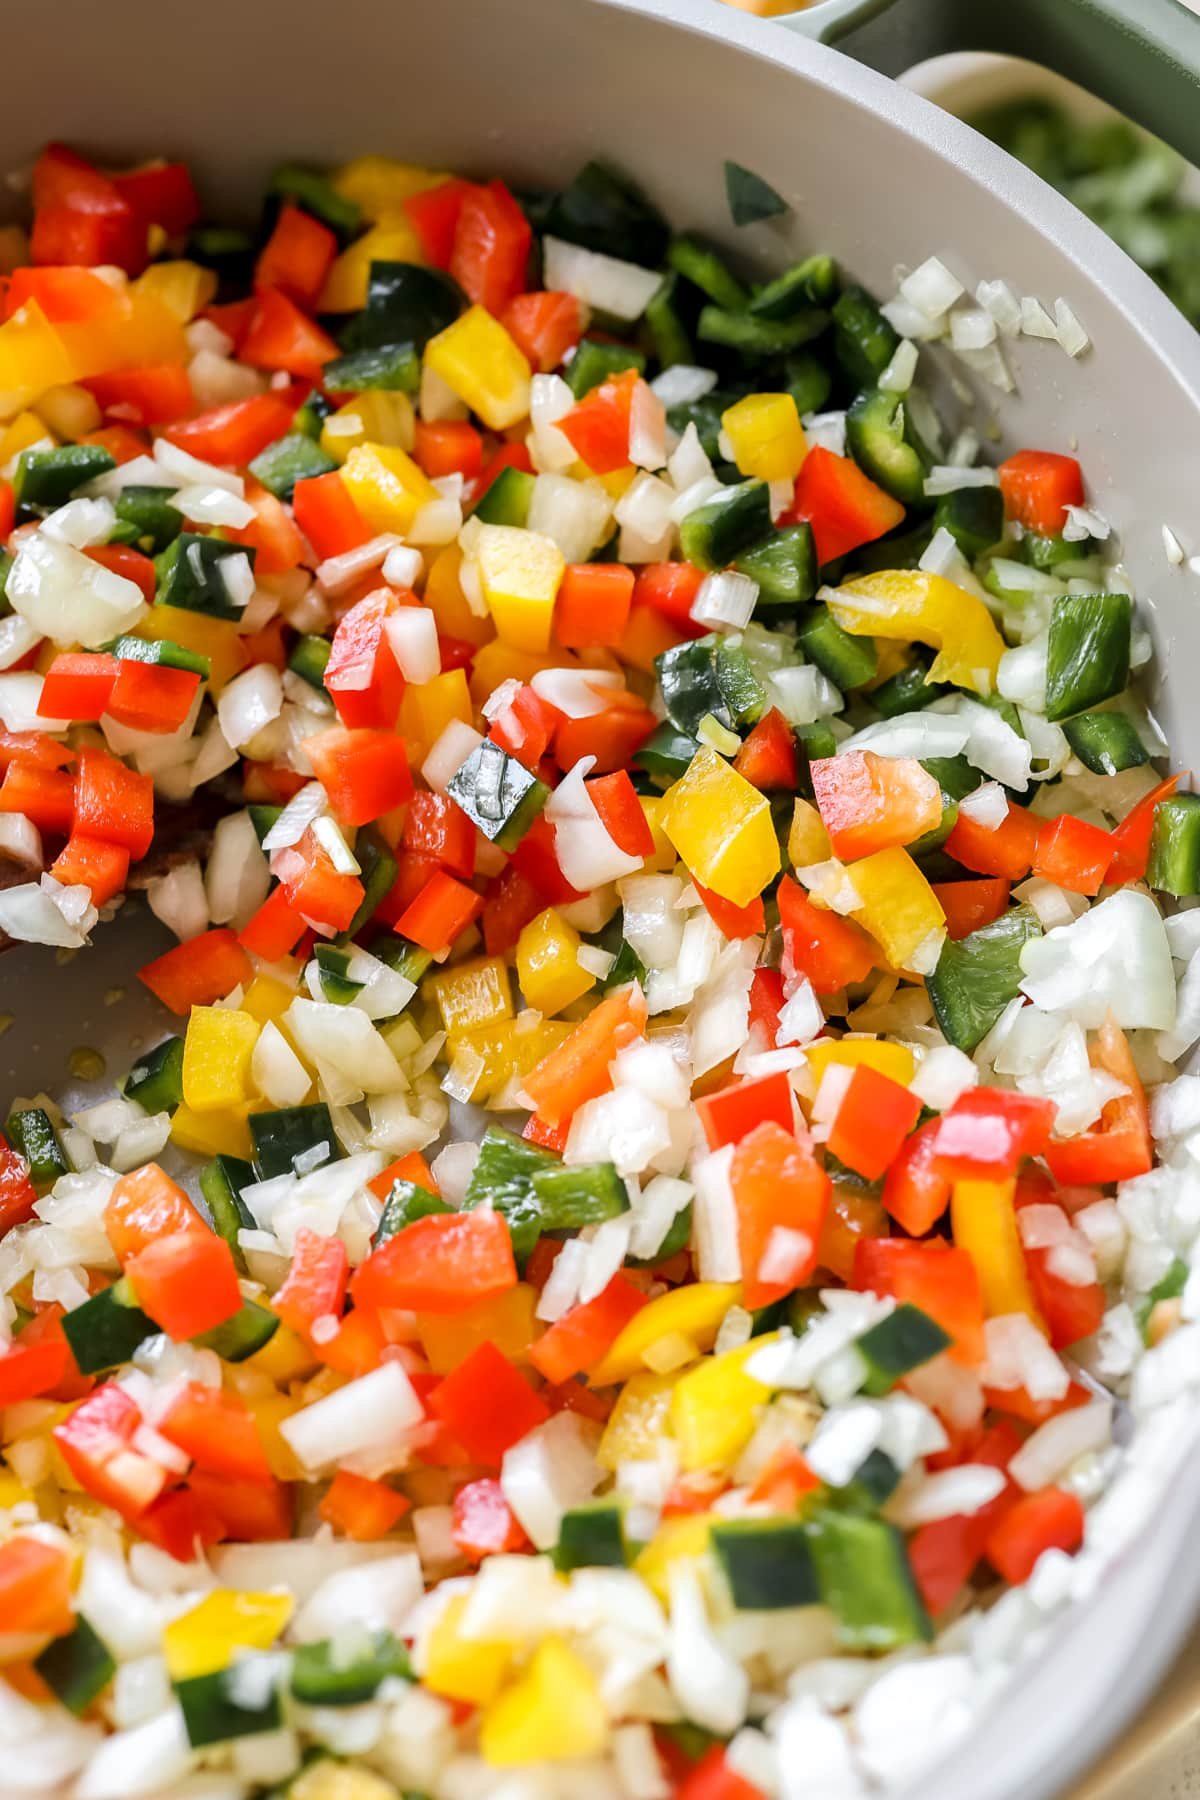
1142	56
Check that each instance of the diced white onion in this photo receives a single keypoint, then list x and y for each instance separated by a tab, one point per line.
179	468
1035	320
1054	1446
1071	334
207	504
577	693
236	876
605	282
947	1494
179	899
67	597
897	377
276	1070
374	1412
337	573
249	703
587	855
682	383
456	743
932	288
412	633
724	601
998	299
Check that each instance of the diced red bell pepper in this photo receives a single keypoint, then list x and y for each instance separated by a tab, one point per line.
161	193
613	736
361	1509
1007	850
482	1522
250	1512
412	873
92	863
510	902
870	802
1120	1146
46	796
323	896
1131	838
150	696
77	685
35	1587
8	510
1051	1519
362	675
616	801
296	257
81	218
784	1481
1017	1403
124	560
96	1443
448	447
875	1116
434	826
576	1342
734	922
988	1132
218	1431
275	929
356	1347
712	1778
915	1191
433	215
487	1405
830	950
180	1524
544	325
196	973
768	756
936	1277
328	517
1038	486
1072	854
597	427
491	246
1072	1310
766	1003
524	727
440	913
943	1555
280	336
28	1371
34	748
67	296
232	317
315	1284
17	1192
578	1068
364	772
277	544
113	802
970	904
782	1195
844	507
591	608
144	1206
445	1263
235	433
148	396
670	588
187	1283
733	1111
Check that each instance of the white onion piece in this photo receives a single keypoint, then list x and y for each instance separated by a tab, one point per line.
1054	1446
149	1759
30	913
575	514
577	693
932	288
1019	1356
455	745
682	383
236	877
67	597
551	1470
647	429
947	1494
307	804
249	703
710	1685
378	1410
82	522
276	1070
337	573
586	853
1115	957
178	468
21	841
345	1038
179	899
412	633
207	504
604	282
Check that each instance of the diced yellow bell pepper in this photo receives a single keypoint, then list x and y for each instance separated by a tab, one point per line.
33	357
899	909
894	1060
654	810
218	639
270	1411
498	661
480	363
26	430
267	999
715	1408
551	1712
507	1048
391	240
184	288
685	1537
808	840
386	485
12	1491
615	483
380	184
284	1357
376	416
519	572
548	963
473	993
223	1133
984	1222
891	658
140	332
638	1421
721	826
216	1058
68	412
428	707
329	1780
462	1668
507	1322
449	605
926	609
694	1312
766	435
204	1639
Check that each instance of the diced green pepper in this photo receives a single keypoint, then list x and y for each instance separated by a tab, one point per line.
310	659
672	343
1105	742
808	380
595	361
285	1133
873	1482
263	817
865	1579
1168	1287
812	282
732	522
377	871
976	976
221	1183
237	1338
498	794
215	1710
190	575
901	1341
503	1177
148	511
77	1667
292	458
848	661
106	1330
768	1563
161	651
323	1676
974	517
750	197
33	1136
699	263
604	212
506	500
406	304
863	341
1174	864
155	1081
784	565
908	691
667	751
583	1194
48	478
1088	656
396	367
875	436
409	960
318	196
591	1537
751	336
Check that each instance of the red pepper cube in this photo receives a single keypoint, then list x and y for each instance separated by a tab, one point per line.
448	447
179	1523
47	796
198	972
280	336
1038	486
297	256
1006	850
492	239
844	507
446	1263
829	950
440	913
275	929
113	802
364	772
324	897
989	1132
149	396
487	1405
616	801
328	517
1051	1519
782	1197
544	326
96	1443
591	608
362	675
733	1111
577	1341
218	1431
731	920
943	1554
936	1277
482	1522
315	1284
524	727
150	696
433	214
670	588
872	1122
235	433
250	1512
161	194
92	863
77	685
915	1191
1073	854
768	756
968	905
187	1282
146	1205
436	827
361	1509
28	1371
597	427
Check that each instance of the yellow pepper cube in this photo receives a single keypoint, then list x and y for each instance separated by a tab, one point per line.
69	412
216	1058
473	993
449	605
26	430
141	332
693	1312
386	485
428	708
519	572
721	826
500	661
715	1408
899	909
893	1060
267	999
638	1421
915	606
377	416
766	435
507	1322
662	858
33	357
808	840
223	1133
983	1219
462	1668
184	288
270	1412
551	1712
548	963
683	1538
480	363
494	1054
380	185
329	1780
218	639
284	1357
205	1638
391	240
